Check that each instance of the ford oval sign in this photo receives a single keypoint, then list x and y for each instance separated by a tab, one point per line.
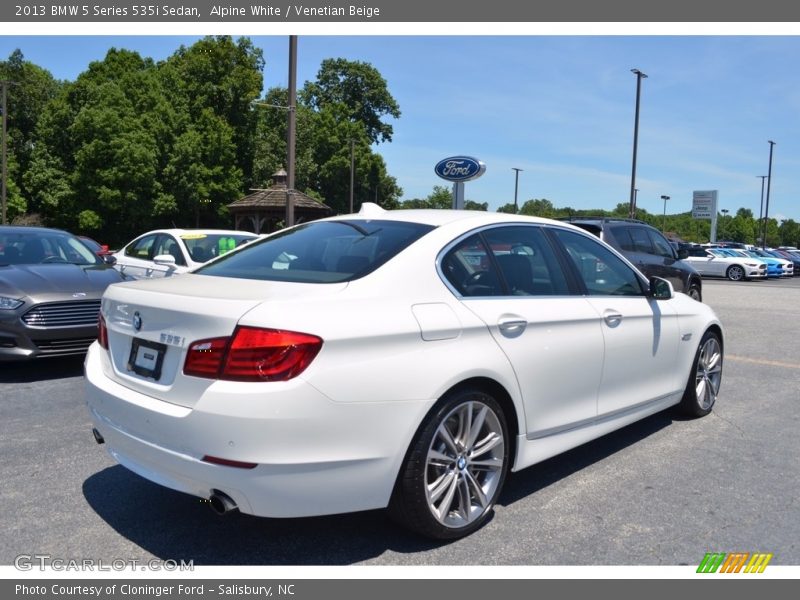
460	168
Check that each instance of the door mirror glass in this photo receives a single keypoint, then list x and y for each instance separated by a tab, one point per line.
661	289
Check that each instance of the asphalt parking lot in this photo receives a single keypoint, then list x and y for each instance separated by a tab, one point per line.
663	491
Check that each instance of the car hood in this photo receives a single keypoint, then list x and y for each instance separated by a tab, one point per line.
18	281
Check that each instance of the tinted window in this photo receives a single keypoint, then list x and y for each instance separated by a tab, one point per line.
470	270
167	244
603	273
319	252
623	237
526	261
203	247
34	247
641	241
661	246
142	248
699	252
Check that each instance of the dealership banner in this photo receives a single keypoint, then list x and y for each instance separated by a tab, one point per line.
411	11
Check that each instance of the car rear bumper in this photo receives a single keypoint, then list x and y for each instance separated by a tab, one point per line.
313	456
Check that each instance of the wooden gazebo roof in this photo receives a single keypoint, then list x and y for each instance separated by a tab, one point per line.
264	209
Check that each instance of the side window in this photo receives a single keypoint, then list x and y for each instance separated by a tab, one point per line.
699	252
621	233
641	241
526	261
470	270
142	248
169	245
603	273
661	246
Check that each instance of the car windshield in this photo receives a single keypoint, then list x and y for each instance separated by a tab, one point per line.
203	247
320	252
40	247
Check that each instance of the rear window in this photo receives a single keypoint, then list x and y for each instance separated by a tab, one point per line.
319	252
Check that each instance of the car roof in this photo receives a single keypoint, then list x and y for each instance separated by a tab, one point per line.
29	229
437	217
179	232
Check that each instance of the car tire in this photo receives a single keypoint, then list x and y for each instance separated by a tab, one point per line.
705	377
455	467
735	273
694	292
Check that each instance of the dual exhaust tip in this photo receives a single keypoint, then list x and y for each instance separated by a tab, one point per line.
220	502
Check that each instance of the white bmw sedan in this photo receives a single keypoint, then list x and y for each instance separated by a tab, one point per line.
405	359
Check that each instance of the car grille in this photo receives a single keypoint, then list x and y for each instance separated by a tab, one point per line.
64	347
63	314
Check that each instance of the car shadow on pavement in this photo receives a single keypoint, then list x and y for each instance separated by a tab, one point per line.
175	526
41	370
539	476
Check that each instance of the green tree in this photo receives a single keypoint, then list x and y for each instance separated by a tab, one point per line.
360	89
30	90
224	76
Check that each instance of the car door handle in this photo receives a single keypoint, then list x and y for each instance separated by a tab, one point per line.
612	319
511	326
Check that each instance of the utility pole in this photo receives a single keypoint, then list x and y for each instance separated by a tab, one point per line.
639	77
352	171
291	134
516	188
769	185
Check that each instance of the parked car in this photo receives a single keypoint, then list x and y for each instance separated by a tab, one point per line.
407	359
100	249
787	266
167	252
646	248
789	255
50	289
775	267
717	262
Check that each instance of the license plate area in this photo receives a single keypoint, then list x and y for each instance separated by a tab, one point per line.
146	358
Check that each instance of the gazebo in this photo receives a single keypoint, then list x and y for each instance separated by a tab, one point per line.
262	209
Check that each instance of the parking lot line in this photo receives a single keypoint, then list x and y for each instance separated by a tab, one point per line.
762	361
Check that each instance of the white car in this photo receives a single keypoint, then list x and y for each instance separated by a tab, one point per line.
716	262
166	252
405	359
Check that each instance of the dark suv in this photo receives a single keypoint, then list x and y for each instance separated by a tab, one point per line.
646	248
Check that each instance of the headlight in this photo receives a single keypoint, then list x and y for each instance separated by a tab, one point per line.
9	303
751	264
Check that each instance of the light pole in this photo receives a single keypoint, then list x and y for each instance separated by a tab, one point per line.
516	188
724	212
635	201
769	185
664	222
639	77
352	170
761	208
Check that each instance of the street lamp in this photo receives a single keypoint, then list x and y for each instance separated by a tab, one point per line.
516	188
769	185
761	209
639	77
664	222
724	212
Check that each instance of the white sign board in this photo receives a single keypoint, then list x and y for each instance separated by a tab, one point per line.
704	204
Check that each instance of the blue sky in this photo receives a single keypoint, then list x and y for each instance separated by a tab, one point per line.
559	107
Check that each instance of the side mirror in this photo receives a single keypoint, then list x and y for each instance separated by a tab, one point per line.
166	260
109	259
683	253
661	289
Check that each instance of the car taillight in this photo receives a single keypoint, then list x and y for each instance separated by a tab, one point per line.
253	354
102	331
204	358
